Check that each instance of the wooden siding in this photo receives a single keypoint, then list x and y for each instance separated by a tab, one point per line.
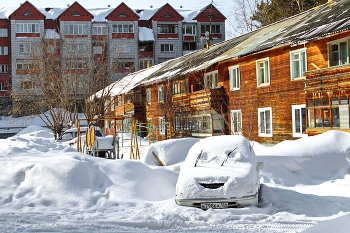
122	13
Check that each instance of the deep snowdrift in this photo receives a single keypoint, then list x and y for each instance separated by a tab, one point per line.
48	186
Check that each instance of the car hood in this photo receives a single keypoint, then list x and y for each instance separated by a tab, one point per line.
211	180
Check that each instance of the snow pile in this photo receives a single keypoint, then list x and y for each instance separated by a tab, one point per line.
47	186
170	152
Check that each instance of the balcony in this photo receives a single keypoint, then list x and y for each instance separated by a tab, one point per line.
327	80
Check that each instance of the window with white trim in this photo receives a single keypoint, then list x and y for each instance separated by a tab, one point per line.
167	28
25	66
3	68
4	50
97	49
27	28
167	48
112	103
75	29
123	28
3	87
76	48
161	93
148	95
3	32
299	120
234	78
162	125
338	52
26	48
298	63
120	100
263	72
265	122
76	65
211	80
189	29
236	122
99	30
27	85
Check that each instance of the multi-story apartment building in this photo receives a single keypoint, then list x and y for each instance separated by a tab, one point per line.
284	81
116	41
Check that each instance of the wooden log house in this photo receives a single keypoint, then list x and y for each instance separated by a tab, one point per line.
284	81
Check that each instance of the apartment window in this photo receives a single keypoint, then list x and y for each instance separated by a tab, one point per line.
25	66
76	48
145	64
3	32
112	103
162	125
167	48
234	78
148	95
99	30
3	87
189	29
75	29
4	50
236	122
27	85
123	28
161	93
211	80
180	86
119	100
265	122
124	65
76	65
27	28
26	48
210	28
97	49
298	63
299	120
3	68
338	53
263	72
167	28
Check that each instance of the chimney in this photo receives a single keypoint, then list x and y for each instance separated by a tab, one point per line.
180	6
108	5
151	6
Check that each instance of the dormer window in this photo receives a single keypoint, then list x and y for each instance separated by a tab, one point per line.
75	13
27	13
167	15
122	14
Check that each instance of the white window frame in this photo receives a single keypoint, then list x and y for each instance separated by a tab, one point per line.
300	107
26	48
123	28
99	30
236	125
302	66
262	123
3	87
4	68
266	71
160	93
4	50
211	79
27	28
3	32
330	52
162	125
234	73
167	48
148	95
75	29
97	49
120	100
112	103
189	27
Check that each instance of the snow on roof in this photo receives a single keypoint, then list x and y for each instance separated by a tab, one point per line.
6	11
100	14
146	34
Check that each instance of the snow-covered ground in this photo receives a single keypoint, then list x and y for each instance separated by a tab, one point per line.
47	186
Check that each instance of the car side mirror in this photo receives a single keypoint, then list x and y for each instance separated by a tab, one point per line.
260	165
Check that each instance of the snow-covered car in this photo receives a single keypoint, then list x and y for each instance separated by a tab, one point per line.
219	172
72	133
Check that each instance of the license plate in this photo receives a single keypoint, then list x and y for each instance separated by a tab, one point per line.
220	205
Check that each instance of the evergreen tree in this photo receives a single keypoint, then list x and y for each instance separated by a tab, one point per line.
270	11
